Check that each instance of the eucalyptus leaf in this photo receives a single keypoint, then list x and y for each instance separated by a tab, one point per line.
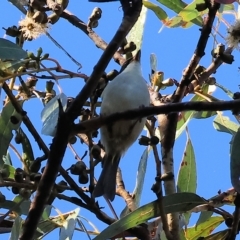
19	5
218	236
7	159
177	202
9	67
48	225
227	91
224	124
190	12
159	12
9	169
6	127
27	155
142	166
50	114
187	175
10	51
235	161
204	228
204	216
16	228
136	33
67	229
177	6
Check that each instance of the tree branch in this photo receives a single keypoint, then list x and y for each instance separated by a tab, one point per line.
57	150
98	41
168	124
93	124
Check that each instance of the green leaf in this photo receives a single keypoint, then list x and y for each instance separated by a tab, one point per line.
160	13
7	159
18	4
204	229
177	6
16	228
224	124
187	175
204	114
218	236
235	161
27	154
136	33
204	216
9	169
68	227
178	202
227	91
142	166
9	67
46	212
183	121
185	117
11	51
190	12
177	21
6	127
50	114
47	226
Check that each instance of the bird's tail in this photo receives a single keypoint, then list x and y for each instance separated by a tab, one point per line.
106	185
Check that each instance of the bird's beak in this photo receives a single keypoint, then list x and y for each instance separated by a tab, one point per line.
137	57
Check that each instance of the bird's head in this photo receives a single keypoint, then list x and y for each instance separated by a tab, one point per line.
134	64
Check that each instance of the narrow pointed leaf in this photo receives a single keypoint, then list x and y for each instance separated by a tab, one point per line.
190	12
49	114
235	161
185	117
204	229
7	159
177	6
68	226
224	124
204	216
11	51
187	175
183	121
9	169
227	91
27	154
178	202
16	229
18	4
142	166
48	225
159	12
218	236
136	33
6	127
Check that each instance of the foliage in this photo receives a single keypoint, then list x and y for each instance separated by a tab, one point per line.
19	73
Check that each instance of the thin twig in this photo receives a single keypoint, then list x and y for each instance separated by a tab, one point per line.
93	124
65	121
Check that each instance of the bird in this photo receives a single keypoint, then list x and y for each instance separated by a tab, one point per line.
126	91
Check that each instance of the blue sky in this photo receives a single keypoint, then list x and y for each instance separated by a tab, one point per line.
174	48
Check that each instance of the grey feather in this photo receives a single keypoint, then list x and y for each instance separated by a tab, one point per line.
106	185
127	91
